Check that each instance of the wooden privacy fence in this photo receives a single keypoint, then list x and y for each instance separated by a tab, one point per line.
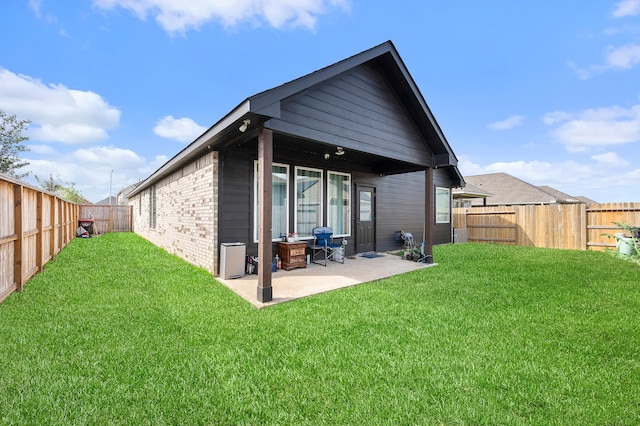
37	225
564	226
34	227
115	218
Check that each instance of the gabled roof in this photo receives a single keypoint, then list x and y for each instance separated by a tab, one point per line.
586	200
470	191
559	195
264	106
387	58
509	190
109	201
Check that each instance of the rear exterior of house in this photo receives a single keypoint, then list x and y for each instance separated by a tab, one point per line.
180	212
352	146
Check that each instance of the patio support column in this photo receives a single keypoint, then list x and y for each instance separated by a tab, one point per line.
429	211
265	160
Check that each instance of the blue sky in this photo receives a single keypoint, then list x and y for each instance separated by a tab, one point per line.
547	91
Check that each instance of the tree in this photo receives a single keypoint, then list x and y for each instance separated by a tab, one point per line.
11	144
67	191
52	184
71	193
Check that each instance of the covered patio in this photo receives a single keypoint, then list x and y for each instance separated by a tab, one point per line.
316	279
352	147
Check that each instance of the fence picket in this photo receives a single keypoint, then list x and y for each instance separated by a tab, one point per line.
36	225
563	226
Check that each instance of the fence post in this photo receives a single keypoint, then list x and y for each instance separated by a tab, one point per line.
58	224
584	229
39	227
17	249
52	227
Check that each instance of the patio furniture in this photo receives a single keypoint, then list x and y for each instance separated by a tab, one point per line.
415	250
323	243
293	255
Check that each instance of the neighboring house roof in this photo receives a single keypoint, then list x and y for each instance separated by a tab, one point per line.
124	192
509	190
264	108
586	200
559	195
470	191
109	201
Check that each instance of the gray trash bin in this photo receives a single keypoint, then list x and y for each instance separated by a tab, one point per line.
232	260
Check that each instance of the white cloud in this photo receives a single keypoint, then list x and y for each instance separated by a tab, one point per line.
181	129
541	172
509	123
467	167
633	176
603	182
179	16
627	8
624	57
555	117
57	113
107	156
35	6
41	149
89	169
615	59
595	127
611	159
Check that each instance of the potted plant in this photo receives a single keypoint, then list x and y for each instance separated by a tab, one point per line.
627	242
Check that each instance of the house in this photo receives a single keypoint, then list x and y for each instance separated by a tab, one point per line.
462	197
504	190
352	146
586	200
109	201
123	195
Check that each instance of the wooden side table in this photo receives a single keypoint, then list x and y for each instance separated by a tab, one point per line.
293	255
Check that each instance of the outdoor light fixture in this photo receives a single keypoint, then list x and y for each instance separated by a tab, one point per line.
339	150
327	155
244	125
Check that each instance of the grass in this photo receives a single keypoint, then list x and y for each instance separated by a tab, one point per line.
116	331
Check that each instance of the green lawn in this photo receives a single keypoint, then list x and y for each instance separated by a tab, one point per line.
116	331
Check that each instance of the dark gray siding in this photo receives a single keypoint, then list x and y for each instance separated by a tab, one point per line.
400	206
358	111
235	197
399	201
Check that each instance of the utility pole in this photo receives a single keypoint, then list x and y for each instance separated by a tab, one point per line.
110	181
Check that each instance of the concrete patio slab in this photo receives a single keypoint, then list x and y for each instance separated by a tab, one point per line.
315	279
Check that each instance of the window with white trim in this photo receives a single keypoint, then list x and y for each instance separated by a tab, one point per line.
339	203
443	205
152	207
279	200
308	212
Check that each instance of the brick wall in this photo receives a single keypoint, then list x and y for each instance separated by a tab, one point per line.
186	213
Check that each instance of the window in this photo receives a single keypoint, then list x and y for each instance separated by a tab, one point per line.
152	207
443	205
339	208
279	200
308	201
